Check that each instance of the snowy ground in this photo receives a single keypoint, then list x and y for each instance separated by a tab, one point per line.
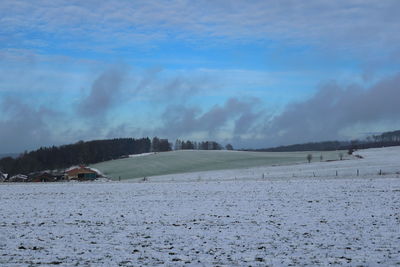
183	161
279	222
142	155
376	161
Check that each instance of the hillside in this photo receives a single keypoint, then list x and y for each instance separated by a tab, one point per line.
367	163
385	139
198	160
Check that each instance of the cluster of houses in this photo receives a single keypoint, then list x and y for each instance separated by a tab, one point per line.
76	173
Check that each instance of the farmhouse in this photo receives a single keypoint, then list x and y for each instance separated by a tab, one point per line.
81	173
19	178
46	177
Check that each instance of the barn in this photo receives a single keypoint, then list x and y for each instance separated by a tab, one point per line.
81	173
46	177
19	178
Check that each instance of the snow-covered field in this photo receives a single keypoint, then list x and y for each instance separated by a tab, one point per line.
183	161
278	221
375	161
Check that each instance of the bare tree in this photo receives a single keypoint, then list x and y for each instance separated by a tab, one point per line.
341	156
309	158
350	151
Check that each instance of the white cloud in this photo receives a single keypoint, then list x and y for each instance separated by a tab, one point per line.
348	24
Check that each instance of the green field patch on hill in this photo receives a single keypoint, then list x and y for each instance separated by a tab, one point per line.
201	160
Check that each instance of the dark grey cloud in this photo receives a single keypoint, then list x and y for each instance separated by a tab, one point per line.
104	94
120	87
333	109
23	126
324	116
179	88
126	130
247	123
147	79
182	121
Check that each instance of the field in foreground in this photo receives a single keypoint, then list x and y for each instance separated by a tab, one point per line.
281	222
184	161
299	215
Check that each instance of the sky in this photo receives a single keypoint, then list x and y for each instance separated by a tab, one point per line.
255	74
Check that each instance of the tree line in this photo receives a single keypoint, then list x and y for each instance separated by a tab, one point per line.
90	152
382	140
59	157
193	145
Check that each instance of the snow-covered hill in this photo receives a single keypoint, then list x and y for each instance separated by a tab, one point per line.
183	161
281	220
374	162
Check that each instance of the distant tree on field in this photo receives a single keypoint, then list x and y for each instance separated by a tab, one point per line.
341	156
164	145
178	144
229	147
309	158
321	158
187	145
155	144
